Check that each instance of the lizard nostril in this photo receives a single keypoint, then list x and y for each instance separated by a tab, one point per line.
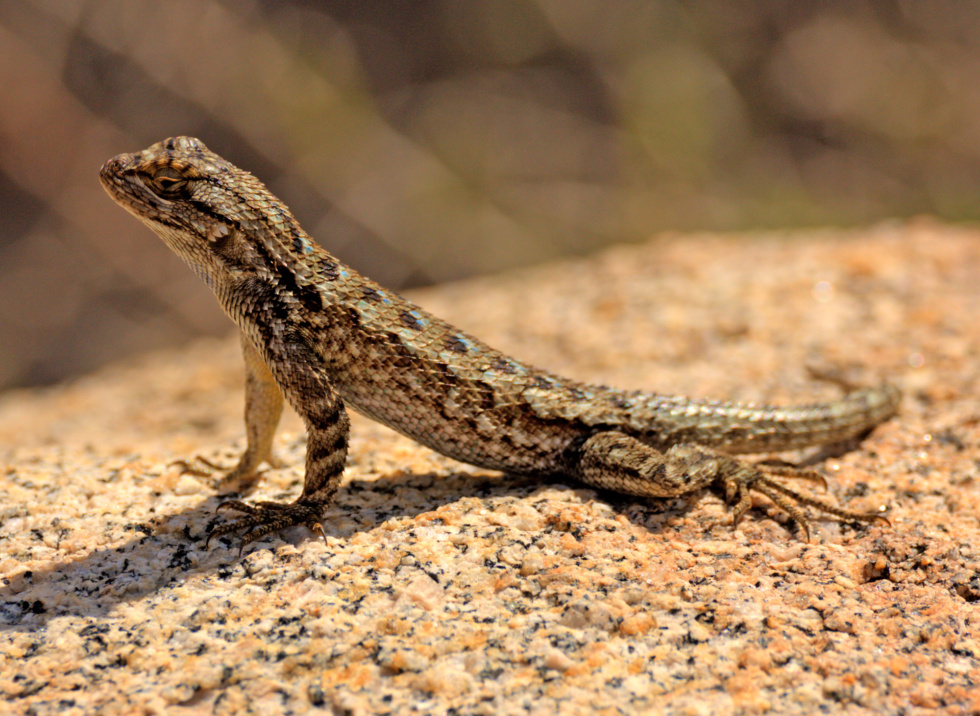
112	166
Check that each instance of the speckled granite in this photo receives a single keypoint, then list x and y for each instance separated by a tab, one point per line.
448	589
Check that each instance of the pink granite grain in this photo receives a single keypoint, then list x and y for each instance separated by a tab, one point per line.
445	587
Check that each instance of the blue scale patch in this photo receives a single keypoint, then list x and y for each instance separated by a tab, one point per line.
412	319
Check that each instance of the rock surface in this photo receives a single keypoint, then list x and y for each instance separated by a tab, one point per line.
446	587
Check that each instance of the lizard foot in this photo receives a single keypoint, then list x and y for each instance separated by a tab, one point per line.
199	466
244	473
761	478
612	460
264	517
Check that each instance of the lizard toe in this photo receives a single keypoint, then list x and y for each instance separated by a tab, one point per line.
263	518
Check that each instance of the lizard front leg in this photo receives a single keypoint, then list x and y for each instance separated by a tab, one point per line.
298	371
615	461
263	408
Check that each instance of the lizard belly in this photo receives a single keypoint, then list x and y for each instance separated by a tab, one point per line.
494	439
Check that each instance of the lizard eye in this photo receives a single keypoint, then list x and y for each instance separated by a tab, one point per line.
168	183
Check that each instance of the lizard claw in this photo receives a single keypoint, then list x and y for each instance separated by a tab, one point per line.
263	518
790	500
190	467
239	478
766	479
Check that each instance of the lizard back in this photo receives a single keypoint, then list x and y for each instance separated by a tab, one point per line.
406	368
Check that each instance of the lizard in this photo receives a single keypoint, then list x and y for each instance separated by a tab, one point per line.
321	336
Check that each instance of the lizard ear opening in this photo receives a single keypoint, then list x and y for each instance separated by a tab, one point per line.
218	232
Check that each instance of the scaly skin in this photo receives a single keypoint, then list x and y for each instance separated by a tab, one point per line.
317	332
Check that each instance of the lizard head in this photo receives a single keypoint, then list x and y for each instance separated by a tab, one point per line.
201	205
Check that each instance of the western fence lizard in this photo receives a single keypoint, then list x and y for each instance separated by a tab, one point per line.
317	332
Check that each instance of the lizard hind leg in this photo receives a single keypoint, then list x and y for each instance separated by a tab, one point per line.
616	461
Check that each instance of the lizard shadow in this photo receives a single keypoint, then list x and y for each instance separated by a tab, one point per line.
170	551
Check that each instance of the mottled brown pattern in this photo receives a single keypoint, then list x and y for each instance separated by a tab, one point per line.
328	337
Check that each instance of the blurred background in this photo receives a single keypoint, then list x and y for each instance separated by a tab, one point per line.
428	140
